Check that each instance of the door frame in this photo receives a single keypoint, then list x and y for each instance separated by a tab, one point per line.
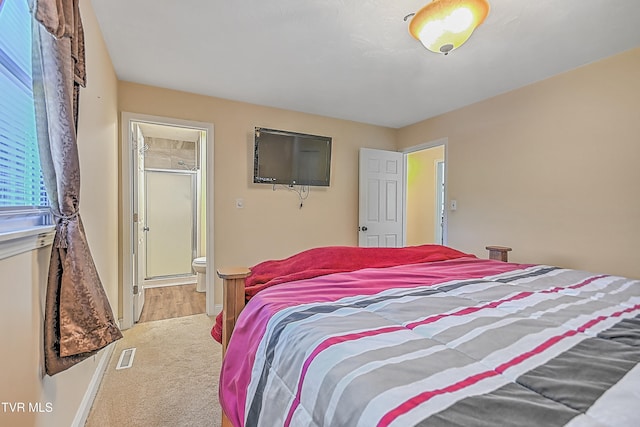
127	224
424	146
441	206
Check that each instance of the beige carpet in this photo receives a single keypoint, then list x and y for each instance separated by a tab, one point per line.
173	380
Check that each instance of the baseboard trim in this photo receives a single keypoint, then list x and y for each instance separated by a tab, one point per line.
87	401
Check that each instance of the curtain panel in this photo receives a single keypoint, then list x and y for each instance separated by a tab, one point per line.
78	318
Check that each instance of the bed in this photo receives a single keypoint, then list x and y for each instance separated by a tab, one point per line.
427	335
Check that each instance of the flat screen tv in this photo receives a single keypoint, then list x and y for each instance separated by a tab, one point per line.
290	158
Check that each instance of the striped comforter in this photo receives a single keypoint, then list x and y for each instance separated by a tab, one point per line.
463	342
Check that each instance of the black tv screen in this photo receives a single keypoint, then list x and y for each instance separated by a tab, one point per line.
290	158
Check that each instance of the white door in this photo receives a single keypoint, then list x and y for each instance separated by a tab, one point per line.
381	198
139	217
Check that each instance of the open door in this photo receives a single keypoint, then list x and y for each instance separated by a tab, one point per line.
381	198
139	218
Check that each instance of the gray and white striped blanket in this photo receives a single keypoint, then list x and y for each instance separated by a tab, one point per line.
497	344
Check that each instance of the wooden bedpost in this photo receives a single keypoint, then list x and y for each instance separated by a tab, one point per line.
232	299
500	253
232	304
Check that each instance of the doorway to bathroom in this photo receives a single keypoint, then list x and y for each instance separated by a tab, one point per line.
166	206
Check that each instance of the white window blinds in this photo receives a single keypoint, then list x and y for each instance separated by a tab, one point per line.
21	183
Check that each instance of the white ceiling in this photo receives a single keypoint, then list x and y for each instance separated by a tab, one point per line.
354	60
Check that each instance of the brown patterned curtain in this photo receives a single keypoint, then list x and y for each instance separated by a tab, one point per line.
78	318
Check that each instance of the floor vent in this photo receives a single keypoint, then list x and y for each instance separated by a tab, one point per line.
126	358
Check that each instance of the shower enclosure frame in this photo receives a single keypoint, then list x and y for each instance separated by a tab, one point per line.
195	203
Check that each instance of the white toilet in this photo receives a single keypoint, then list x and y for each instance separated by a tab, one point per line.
200	267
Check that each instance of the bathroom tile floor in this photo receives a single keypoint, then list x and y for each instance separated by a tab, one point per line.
168	302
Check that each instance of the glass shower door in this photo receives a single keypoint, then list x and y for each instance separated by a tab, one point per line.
170	210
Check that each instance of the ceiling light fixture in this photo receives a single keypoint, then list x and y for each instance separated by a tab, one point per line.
444	25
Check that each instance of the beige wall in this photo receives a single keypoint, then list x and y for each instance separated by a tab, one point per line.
542	169
421	195
550	169
98	131
23	282
271	224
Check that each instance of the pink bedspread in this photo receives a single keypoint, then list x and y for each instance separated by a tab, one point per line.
335	259
252	323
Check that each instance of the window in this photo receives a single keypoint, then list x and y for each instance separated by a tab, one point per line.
23	199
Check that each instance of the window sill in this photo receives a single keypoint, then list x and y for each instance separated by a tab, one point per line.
19	241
